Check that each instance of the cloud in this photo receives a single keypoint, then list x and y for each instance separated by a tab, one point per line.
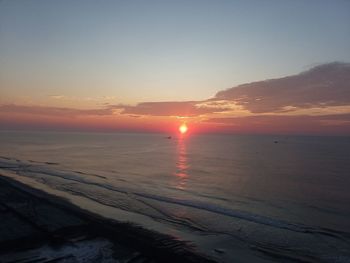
314	101
263	119
170	108
304	124
54	111
322	86
56	97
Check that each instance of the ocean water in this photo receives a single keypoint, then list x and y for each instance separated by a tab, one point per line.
236	198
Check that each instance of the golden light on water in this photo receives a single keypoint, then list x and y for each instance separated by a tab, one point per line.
182	166
183	128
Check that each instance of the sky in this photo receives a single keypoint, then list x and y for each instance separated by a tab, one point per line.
151	65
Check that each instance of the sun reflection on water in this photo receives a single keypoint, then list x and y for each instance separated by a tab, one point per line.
181	165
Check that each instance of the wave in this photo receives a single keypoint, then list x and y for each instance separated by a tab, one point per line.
246	216
31	169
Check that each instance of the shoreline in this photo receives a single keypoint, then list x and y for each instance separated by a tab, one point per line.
34	220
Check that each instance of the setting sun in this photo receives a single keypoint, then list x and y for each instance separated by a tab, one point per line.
183	128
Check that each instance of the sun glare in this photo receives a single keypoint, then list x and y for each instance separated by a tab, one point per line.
183	128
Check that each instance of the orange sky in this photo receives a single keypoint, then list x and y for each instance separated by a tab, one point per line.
316	101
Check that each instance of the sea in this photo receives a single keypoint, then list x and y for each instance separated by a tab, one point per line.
235	198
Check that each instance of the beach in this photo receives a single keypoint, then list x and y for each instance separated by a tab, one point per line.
37	227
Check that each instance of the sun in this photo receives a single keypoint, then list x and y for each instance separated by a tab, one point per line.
183	128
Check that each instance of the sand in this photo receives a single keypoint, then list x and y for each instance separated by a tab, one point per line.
38	227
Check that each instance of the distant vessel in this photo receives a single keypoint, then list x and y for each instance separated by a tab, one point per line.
169	137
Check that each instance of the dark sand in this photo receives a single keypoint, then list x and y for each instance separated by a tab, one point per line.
38	227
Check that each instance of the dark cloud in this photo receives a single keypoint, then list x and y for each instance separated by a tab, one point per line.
186	108
170	108
335	123
266	118
321	86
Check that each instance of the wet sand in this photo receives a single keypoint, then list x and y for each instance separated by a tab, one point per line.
38	227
